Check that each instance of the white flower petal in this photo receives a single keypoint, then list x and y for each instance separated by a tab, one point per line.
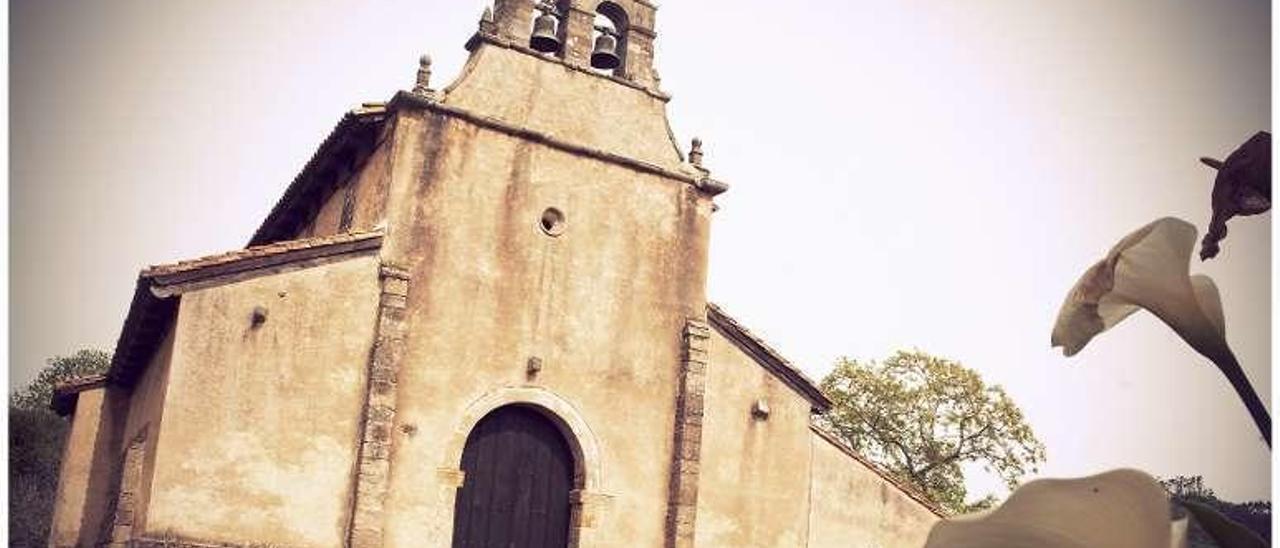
1121	508
1146	269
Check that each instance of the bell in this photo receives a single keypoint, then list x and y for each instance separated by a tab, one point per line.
605	55
544	37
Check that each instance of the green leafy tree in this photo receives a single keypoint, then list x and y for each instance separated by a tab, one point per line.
921	417
61	368
36	437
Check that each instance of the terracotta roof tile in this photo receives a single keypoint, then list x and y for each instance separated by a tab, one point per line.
67	392
267	250
770	358
78	384
351	122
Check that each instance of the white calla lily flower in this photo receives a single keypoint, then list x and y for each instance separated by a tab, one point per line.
1116	509
1149	269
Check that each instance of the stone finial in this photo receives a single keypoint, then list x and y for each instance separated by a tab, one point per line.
487	24
695	152
424	75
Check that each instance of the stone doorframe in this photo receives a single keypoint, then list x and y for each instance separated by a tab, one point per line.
586	500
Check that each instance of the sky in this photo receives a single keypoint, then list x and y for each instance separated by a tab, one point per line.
906	174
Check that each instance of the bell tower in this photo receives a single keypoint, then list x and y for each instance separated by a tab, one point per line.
613	37
555	238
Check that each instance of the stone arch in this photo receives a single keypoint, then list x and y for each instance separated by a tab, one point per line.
620	20
582	441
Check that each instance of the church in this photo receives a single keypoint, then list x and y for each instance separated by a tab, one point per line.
476	318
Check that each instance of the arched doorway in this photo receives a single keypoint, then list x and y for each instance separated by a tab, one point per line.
519	471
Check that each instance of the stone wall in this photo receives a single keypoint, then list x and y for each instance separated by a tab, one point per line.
261	419
146	406
87	471
358	202
755	467
854	507
600	299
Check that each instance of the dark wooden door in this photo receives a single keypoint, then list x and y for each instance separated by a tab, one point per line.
515	493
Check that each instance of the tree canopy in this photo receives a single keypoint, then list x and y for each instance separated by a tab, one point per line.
61	368
36	437
921	417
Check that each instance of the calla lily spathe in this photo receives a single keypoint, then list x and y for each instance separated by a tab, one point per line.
1120	508
1149	269
1117	509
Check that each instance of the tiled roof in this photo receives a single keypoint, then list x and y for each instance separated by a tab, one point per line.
258	252
152	311
768	357
65	392
356	125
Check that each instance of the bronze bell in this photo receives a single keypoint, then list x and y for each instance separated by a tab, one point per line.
544	37
605	55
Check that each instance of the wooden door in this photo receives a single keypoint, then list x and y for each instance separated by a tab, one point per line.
515	493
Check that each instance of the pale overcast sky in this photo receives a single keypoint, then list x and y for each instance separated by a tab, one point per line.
906	174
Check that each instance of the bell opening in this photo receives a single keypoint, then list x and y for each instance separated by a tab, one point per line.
608	47
544	38
605	56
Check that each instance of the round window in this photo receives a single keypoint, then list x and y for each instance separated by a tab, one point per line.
552	221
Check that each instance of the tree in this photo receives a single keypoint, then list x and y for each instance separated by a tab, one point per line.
36	437
60	368
921	417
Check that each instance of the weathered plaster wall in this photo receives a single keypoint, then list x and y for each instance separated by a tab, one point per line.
86	472
74	471
855	507
259	436
327	219
583	108
146	405
370	179
602	306
754	488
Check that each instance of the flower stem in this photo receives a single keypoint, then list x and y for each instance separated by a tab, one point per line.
1231	368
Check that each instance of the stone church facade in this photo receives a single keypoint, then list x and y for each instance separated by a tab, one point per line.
477	317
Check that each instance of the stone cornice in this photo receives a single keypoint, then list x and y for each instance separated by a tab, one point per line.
405	99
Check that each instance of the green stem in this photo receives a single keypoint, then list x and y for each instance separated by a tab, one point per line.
1231	368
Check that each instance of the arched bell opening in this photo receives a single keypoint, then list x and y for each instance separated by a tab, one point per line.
548	29
609	39
521	467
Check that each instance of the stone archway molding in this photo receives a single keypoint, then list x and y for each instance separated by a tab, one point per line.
582	441
587	503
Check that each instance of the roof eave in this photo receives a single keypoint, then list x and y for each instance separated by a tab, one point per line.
767	357
157	292
355	127
66	393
